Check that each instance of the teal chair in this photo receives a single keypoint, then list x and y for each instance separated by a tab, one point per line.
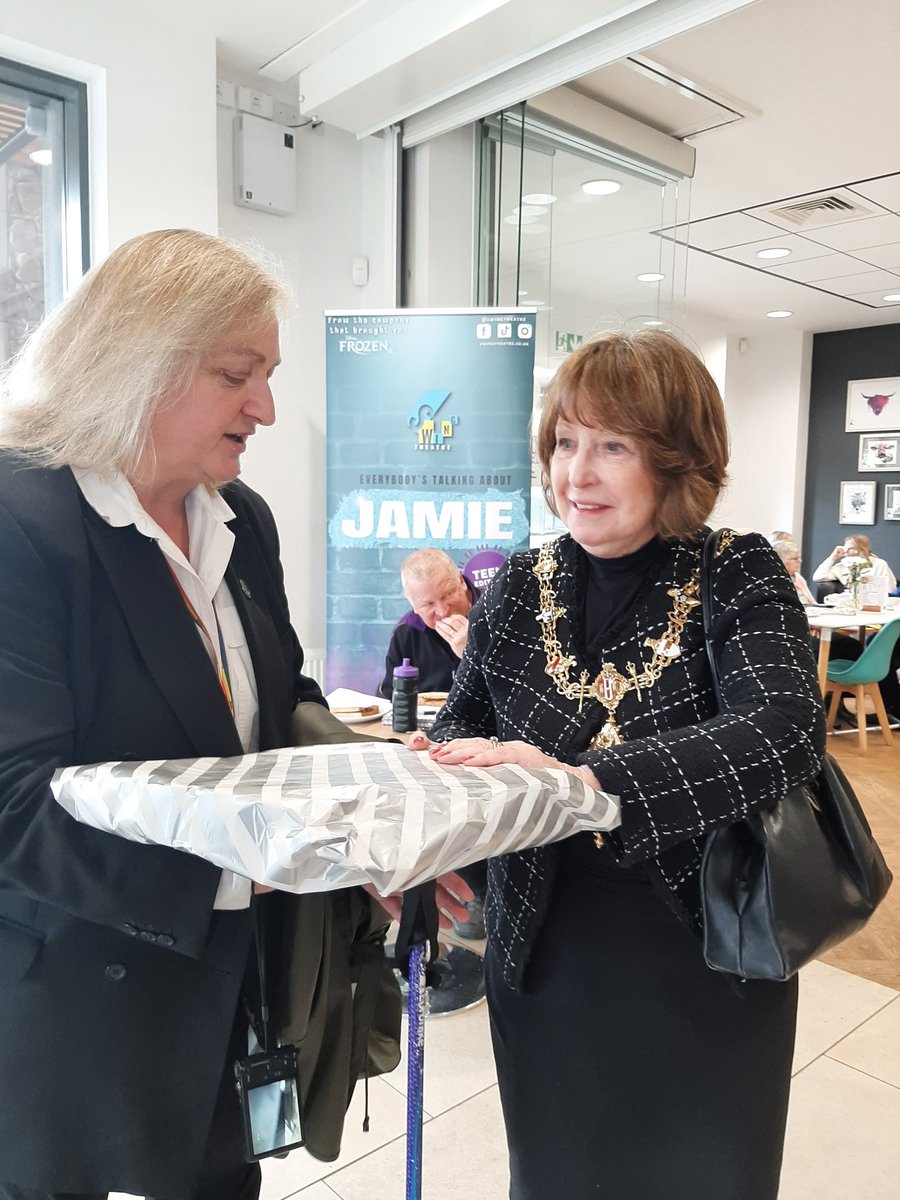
861	679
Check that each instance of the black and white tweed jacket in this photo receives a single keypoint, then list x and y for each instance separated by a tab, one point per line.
683	768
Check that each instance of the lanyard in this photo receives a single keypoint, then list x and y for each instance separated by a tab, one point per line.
220	660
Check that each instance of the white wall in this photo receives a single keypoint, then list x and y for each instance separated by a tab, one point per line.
150	72
767	403
340	214
439	221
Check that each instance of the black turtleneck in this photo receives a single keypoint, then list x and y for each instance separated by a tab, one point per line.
613	587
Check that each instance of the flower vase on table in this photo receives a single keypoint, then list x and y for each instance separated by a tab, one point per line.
856	575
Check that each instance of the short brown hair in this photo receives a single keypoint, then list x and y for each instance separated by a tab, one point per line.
648	386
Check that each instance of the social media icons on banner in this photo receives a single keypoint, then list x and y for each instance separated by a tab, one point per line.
499	331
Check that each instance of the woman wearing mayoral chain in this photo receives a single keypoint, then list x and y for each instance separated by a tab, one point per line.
627	1068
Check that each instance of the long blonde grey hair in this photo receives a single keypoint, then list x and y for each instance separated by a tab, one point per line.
86	385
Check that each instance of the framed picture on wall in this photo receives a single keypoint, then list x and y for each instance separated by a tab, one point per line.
857	502
879	452
873	404
892	501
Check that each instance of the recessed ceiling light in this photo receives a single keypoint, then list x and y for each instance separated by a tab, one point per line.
531	210
519	220
773	252
522	292
650	277
539	198
654	322
777	313
892	297
600	187
43	158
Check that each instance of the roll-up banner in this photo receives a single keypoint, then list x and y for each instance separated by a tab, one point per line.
428	445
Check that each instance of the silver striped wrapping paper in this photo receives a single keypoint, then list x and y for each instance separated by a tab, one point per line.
315	818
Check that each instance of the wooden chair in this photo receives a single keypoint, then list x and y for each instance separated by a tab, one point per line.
861	679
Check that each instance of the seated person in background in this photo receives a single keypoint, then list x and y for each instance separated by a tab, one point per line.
789	553
432	635
781	535
855	548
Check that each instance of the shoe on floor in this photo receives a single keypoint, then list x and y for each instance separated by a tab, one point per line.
473	929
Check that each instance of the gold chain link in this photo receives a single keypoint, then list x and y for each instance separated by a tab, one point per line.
610	685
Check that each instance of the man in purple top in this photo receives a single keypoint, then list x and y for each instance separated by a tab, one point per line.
432	635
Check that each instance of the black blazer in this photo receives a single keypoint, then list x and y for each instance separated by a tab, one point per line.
118	981
682	768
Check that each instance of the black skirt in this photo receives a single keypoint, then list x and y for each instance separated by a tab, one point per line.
627	1068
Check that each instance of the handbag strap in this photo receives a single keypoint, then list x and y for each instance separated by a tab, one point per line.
708	553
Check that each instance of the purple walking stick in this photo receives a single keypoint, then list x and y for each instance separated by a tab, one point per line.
416	948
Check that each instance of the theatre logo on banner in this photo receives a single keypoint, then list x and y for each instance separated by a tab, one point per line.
428	445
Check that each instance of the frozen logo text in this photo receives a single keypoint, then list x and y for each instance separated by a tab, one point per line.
362	346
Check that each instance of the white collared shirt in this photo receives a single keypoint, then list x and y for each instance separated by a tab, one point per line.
203	579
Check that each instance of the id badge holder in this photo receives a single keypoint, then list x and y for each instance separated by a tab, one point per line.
269	1093
267	1083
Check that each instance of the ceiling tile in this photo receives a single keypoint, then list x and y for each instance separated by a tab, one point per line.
728	230
884	191
873	231
887	257
800	248
876	299
867	281
829	266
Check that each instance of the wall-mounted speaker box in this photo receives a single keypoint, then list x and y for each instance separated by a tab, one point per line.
265	165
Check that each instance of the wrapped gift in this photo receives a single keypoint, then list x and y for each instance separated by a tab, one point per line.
315	818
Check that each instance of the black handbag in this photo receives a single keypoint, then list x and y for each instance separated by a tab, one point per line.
784	884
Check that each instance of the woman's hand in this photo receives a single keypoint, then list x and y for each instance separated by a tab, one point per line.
451	892
491	752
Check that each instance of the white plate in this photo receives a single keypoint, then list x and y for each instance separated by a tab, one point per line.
384	706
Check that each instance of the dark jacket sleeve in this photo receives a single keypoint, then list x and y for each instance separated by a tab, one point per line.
151	892
770	736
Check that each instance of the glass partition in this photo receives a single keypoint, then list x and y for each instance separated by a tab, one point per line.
582	233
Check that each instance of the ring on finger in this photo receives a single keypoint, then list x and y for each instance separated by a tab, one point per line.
496	744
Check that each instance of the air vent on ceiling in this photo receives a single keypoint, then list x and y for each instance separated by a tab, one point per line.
813	212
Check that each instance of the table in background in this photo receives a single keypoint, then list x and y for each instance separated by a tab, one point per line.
826	620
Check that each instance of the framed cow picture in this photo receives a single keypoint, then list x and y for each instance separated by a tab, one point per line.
872	404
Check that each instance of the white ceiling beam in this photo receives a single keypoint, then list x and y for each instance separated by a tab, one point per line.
400	56
635	31
371	38
569	109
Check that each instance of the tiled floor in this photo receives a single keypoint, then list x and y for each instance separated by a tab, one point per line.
843	1134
